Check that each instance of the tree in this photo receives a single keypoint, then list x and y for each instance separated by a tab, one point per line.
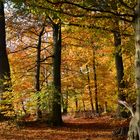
95	80
38	61
56	101
119	68
118	61
134	128
89	89
4	63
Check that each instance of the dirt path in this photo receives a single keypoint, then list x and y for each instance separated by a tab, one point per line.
99	128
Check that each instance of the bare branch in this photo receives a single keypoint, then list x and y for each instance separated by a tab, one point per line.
95	27
46	58
127	106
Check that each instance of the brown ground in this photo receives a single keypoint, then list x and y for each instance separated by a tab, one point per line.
98	128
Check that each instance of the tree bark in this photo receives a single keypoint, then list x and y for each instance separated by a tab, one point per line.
89	89
37	86
56	101
118	60
5	81
119	69
95	82
83	101
134	126
76	103
65	103
4	63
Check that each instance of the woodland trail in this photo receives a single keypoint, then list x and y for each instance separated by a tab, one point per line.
98	128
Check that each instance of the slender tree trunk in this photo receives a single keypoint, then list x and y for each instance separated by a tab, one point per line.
89	89
105	107
95	82
37	86
56	105
76	104
134	127
65	104
119	69
5	81
84	106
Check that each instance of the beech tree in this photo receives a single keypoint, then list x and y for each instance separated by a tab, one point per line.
95	80
119	68
89	89
56	102
38	61
4	63
134	128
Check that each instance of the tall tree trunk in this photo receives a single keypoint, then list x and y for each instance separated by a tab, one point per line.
95	82
119	69
4	63
134	127
89	89
118	60
37	86
56	102
5	81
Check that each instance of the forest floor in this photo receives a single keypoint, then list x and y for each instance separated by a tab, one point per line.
97	128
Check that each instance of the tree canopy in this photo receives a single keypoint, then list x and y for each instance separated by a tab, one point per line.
70	56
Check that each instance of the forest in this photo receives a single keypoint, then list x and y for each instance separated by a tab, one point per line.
70	69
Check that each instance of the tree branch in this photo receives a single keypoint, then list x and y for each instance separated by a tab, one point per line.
127	106
95	27
94	8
